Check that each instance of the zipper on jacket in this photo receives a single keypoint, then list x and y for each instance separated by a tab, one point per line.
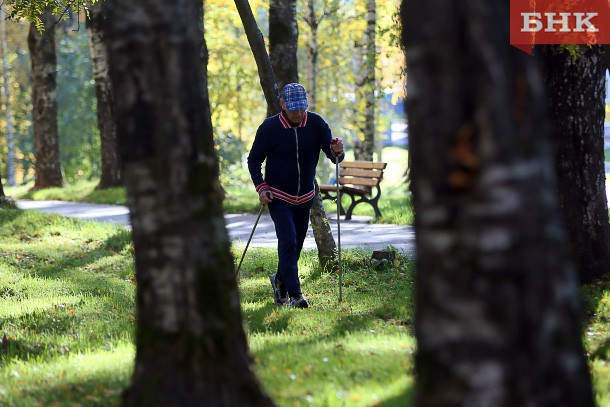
296	136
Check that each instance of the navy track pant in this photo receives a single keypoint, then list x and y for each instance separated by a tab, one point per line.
291	223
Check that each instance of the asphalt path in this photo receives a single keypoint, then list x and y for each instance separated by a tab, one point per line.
357	232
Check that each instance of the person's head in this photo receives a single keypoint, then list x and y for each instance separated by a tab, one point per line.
294	101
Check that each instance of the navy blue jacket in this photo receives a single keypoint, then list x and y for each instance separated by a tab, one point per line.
292	154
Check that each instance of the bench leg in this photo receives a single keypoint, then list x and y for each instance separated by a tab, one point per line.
372	202
377	211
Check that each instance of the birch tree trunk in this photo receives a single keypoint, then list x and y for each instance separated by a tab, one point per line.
111	170
10	135
191	347
364	144
576	88
497	295
44	103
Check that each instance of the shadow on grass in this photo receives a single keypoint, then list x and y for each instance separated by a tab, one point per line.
406	399
104	297
17	349
9	215
266	319
602	352
101	390
118	241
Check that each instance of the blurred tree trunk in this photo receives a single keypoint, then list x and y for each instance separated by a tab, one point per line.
283	41
44	102
497	318
191	347
10	136
364	143
576	88
111	169
263	63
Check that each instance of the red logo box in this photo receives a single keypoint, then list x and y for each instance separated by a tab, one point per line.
534	22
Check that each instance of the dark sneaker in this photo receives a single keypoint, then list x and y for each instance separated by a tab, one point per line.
300	302
280	295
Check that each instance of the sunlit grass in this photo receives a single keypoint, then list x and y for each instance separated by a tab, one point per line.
357	352
84	191
67	311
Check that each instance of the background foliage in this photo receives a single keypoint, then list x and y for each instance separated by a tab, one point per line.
235	95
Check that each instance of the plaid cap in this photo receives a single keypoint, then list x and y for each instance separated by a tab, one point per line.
294	96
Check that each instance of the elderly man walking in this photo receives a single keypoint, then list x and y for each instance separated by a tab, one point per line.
291	142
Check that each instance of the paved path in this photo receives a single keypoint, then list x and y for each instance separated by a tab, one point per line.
354	233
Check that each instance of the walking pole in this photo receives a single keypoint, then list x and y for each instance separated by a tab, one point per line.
249	239
339	227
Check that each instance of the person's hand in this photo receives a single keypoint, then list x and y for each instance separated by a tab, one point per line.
336	146
265	196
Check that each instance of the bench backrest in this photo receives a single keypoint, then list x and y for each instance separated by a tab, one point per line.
364	173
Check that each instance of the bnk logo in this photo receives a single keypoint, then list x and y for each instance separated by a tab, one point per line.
559	22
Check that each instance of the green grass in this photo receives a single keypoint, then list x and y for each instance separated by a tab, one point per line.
67	310
596	298
81	192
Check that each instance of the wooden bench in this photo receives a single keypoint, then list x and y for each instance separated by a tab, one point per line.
357	179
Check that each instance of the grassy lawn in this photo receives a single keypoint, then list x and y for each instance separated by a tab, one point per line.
395	202
81	192
67	311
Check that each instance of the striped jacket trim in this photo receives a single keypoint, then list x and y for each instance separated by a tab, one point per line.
295	200
262	186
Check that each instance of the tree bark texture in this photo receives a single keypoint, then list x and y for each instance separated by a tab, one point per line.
191	347
313	53
283	41
576	90
497	310
364	144
323	235
257	45
44	103
607	56
111	168
10	135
